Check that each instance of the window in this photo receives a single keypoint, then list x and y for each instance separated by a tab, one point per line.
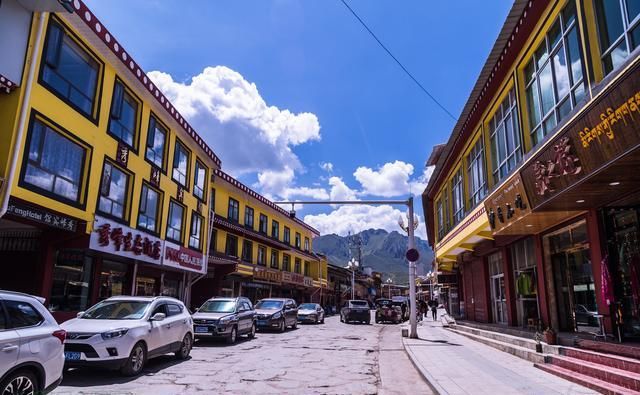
3	319
200	180
248	217
55	164
506	149
231	248
22	314
554	79
180	172
286	263
113	279
298	241
173	309
298	266
156	142
618	30
195	235
175	222
213	243
306	244
440	216
234	210
69	70
148	215
212	202
274	259
72	284
123	121
113	191
287	235
262	255
275	229
247	251
476	173
307	268
457	197
264	221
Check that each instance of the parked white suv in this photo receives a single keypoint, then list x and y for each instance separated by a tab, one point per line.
123	332
31	350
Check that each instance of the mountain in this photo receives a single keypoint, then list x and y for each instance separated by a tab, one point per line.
382	251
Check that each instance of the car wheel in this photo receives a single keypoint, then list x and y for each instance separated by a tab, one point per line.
295	325
283	326
252	333
20	382
233	336
322	321
135	363
185	347
341	318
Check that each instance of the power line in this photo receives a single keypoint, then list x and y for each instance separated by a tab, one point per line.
398	62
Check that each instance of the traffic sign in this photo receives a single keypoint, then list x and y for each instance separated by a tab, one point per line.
412	255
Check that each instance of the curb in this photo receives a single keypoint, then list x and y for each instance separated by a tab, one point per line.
433	383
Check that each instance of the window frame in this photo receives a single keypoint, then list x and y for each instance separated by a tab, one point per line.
182	230
286	263
265	229
286	235
457	196
263	261
496	123
201	164
274	263
237	210
196	215
247	210
476	160
298	240
297	265
249	258
307	244
177	143
165	151
135	141
128	194
627	28
275	226
156	233
94	117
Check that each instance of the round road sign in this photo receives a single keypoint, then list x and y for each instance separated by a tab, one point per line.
412	255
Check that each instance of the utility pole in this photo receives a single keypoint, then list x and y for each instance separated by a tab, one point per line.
412	273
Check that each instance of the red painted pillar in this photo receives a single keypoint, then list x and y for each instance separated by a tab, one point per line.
596	241
542	289
509	286
488	302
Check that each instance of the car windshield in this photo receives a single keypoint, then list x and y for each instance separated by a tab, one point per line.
218	306
359	303
307	306
117	310
269	305
384	303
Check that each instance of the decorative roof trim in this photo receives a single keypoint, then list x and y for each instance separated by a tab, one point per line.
85	14
261	198
6	84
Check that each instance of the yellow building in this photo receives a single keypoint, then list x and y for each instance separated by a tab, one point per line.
259	250
105	185
536	189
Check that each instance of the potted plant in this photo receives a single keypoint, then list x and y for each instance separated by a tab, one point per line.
550	336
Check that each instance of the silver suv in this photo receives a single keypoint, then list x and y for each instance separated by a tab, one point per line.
225	318
31	345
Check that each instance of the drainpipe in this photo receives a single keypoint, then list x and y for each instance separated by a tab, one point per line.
24	107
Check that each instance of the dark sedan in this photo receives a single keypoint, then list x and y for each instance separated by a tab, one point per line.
355	311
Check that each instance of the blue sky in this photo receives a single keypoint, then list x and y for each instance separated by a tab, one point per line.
281	87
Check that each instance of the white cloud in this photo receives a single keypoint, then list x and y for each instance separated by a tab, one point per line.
418	186
231	115
281	184
355	219
392	179
327	166
340	190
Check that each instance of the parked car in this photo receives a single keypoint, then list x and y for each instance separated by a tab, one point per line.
387	312
31	345
311	312
355	310
225	318
123	332
403	303
277	313
584	316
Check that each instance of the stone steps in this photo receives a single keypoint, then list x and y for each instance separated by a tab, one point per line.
593	383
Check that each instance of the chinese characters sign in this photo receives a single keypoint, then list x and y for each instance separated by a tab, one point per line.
293	278
42	216
273	276
183	258
564	163
507	204
117	239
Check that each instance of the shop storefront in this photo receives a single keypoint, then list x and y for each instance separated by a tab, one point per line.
525	277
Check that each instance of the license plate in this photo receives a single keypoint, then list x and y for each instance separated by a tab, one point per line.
72	356
202	329
262	322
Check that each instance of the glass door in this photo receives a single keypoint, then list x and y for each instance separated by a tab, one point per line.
497	285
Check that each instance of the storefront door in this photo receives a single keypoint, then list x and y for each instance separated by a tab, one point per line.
498	293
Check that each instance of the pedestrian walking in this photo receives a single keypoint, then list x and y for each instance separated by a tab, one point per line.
434	311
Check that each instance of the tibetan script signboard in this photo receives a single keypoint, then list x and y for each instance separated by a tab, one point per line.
606	130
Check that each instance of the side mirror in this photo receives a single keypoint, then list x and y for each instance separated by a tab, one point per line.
158	317
80	314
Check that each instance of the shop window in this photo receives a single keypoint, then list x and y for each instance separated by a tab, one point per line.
307	268
248	217
275	229
286	263
146	286
72	283
297	268
247	251
274	259
113	280
70	71
200	180
54	165
526	280
263	224
156	142
171	288
175	222
114	191
618	30
457	197
287	235
231	247
149	213
506	147
307	244
298	240
180	173
554	78
195	234
123	120
476	173
262	255
233	212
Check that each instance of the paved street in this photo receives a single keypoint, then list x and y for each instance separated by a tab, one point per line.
333	358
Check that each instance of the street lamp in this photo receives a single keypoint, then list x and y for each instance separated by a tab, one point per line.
353	264
389	282
410	227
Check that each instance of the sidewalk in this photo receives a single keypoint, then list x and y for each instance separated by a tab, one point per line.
454	364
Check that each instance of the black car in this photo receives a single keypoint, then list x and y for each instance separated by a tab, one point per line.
225	318
277	313
355	310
